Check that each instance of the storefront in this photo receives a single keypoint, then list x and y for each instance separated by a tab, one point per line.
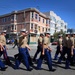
33	38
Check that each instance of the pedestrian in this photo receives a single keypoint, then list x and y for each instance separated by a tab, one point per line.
46	53
4	52
15	43
23	48
39	47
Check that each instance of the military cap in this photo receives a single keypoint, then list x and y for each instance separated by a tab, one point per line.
23	30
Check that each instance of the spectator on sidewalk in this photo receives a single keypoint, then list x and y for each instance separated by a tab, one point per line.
15	43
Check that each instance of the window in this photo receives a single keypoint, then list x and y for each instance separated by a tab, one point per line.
46	21
43	20
32	14
49	21
17	17
39	28
65	26
35	16
4	20
53	18
35	27
61	25
46	29
32	26
49	29
43	29
59	22
15	27
12	27
12	18
8	18
52	25
39	18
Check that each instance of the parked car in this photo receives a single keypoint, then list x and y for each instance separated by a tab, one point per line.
54	43
8	41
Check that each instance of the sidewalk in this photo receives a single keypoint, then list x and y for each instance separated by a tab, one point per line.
32	44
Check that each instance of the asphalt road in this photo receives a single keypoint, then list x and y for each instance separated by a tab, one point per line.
60	70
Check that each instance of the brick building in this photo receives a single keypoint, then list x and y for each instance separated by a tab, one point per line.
32	19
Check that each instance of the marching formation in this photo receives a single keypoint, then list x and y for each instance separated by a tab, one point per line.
66	48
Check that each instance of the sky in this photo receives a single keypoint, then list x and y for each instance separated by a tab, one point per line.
63	8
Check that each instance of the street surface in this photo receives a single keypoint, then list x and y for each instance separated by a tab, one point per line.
60	70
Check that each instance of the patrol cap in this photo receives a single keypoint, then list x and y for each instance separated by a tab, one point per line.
23	30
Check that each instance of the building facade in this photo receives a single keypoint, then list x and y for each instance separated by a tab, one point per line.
32	19
56	23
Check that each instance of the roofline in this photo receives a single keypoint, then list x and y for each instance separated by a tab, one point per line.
25	10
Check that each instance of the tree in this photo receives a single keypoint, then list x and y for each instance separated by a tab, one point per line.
70	30
56	34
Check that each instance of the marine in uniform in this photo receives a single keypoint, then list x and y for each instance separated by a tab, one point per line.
4	52
46	53
27	51
73	49
39	47
69	46
23	50
64	50
2	65
59	47
67	51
